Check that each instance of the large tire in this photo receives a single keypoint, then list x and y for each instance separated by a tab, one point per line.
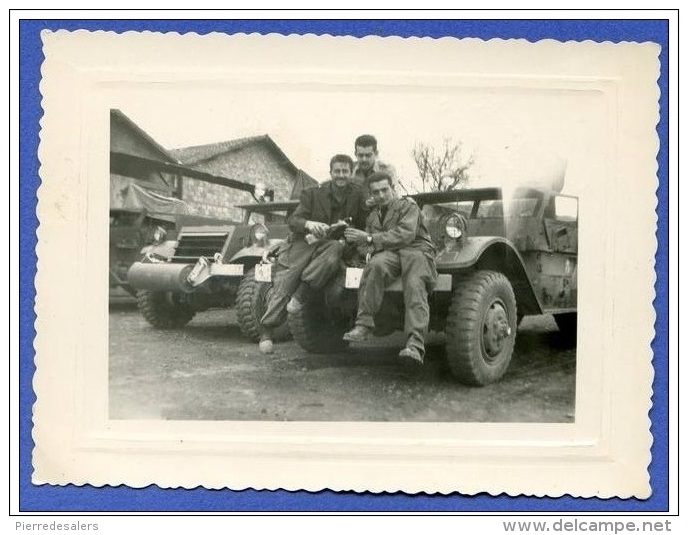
568	326
481	328
164	310
315	330
250	307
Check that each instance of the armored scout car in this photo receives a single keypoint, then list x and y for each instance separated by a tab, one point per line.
211	266
499	257
143	212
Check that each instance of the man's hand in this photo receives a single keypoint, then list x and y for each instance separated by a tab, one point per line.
353	235
317	228
370	202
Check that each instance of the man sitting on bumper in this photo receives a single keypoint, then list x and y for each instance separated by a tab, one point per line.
312	258
399	243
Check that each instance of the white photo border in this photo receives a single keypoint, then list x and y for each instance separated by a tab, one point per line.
143	482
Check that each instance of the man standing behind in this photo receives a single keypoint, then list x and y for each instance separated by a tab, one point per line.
307	264
399	242
367	162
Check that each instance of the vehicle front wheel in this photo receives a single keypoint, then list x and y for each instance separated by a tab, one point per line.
481	327
315	330
164	310
250	307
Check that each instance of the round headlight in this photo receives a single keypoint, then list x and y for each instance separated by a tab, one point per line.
259	235
454	227
159	235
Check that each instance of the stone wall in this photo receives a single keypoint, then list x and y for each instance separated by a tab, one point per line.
254	163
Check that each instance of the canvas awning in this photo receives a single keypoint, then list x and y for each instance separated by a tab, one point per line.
136	198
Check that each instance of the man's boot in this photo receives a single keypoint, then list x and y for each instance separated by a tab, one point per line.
411	354
265	342
359	333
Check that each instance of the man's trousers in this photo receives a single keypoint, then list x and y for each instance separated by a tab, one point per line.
418	278
315	264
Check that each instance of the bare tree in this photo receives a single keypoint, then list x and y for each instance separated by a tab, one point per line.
442	168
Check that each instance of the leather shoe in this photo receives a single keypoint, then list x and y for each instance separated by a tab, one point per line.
265	344
412	355
358	334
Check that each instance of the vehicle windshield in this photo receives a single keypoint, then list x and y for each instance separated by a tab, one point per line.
524	207
493	208
273	218
463	207
272	212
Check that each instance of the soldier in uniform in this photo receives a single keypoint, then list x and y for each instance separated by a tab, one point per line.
367	161
311	258
399	244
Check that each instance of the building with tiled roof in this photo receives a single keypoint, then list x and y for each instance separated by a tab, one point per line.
250	159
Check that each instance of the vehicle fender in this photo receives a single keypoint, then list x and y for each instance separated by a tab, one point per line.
497	254
248	255
252	254
466	254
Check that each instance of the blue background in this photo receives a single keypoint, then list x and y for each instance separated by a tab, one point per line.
70	498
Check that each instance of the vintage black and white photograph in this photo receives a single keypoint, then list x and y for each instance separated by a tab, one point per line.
300	255
311	262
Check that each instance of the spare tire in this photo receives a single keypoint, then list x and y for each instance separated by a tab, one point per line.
250	307
317	330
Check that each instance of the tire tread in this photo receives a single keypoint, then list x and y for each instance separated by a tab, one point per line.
464	353
161	314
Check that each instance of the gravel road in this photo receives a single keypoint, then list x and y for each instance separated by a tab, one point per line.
208	371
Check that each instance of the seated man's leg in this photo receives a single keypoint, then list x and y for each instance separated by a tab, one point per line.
419	276
382	269
324	264
291	264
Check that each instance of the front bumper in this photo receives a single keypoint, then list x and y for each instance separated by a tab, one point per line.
353	281
167	277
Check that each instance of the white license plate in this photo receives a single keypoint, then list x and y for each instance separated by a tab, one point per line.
353	277
264	273
196	271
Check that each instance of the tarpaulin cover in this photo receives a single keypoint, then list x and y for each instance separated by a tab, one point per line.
136	198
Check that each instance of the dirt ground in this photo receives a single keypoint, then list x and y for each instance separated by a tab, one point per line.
208	371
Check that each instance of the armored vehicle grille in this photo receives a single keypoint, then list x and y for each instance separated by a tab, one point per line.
191	247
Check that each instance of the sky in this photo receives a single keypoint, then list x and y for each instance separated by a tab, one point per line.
514	134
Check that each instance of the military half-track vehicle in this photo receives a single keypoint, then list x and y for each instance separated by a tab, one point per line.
132	231
500	256
211	266
142	212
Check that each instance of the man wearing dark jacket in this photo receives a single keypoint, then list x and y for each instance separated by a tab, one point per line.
399	244
312	257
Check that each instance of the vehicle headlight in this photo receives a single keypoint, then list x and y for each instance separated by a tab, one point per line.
259	235
159	235
454	227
